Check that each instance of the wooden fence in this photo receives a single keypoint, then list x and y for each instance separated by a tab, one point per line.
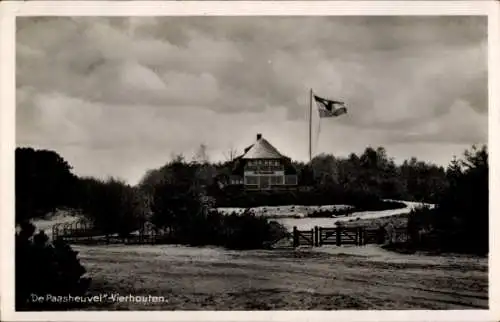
83	232
339	236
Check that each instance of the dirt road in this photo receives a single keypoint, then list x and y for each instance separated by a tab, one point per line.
322	279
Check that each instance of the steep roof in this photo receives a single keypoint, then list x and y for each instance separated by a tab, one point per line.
262	149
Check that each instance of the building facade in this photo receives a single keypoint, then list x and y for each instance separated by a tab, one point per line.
263	167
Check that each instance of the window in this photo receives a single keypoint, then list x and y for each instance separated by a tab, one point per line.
251	180
276	180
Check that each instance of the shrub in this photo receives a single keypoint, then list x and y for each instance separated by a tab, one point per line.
249	232
361	200
43	268
234	231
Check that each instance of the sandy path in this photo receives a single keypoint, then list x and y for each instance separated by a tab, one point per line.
309	223
323	278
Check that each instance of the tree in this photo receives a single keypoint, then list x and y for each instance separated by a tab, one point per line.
44	182
325	169
460	219
454	171
112	205
466	203
201	155
177	197
231	154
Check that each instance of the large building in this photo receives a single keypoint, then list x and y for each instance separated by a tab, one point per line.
263	167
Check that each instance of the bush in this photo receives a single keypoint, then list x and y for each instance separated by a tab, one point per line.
233	231
249	232
362	201
43	268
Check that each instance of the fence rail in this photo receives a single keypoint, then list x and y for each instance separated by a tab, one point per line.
338	236
84	232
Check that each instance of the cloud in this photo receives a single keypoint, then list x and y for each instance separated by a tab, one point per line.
138	89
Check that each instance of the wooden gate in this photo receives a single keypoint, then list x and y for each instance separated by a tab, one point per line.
339	236
303	237
328	236
351	236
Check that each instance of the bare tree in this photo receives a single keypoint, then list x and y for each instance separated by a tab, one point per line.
201	155
231	154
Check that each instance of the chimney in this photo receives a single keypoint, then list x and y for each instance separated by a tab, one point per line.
259	136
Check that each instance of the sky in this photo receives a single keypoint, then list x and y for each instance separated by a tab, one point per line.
118	96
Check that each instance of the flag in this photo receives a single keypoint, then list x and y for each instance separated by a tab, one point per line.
329	108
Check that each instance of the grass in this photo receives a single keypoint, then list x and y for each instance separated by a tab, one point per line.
326	278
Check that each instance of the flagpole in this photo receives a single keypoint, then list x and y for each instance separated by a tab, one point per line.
310	124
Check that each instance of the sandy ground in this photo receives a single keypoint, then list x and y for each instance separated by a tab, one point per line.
366	277
323	278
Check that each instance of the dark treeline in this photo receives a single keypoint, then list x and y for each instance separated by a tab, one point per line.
176	197
358	180
374	173
44	182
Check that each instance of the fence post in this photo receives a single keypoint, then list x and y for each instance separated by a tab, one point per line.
312	237
87	231
320	232
295	237
381	235
338	235
360	236
54	232
316	237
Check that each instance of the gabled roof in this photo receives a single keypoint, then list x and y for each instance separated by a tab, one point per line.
262	149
